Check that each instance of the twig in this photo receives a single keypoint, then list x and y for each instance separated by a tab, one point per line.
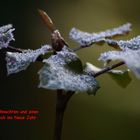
12	49
82	47
108	69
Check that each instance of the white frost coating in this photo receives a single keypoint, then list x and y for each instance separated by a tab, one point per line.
84	38
6	35
5	28
130	57
20	61
55	75
91	69
133	44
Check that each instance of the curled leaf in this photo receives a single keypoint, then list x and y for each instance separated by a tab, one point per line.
130	57
6	35
85	39
20	61
58	74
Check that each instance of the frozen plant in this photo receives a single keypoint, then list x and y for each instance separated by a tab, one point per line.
63	70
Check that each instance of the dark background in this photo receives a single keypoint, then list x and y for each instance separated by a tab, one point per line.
114	113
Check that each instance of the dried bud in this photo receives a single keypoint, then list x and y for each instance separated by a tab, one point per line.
57	41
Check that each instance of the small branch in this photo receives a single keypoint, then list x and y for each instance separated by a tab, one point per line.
11	49
77	49
82	47
108	69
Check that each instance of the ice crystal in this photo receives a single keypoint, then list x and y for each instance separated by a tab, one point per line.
85	39
6	35
56	74
20	61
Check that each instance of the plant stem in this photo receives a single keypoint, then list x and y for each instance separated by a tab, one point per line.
61	104
108	69
81	47
59	117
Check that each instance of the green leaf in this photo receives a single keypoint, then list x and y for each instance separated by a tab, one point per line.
61	71
75	66
122	78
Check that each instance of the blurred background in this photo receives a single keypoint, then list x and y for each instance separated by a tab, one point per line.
114	113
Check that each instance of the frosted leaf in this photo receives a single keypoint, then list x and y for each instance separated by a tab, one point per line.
5	28
17	62
6	35
130	57
122	78
90	68
133	44
85	39
57	74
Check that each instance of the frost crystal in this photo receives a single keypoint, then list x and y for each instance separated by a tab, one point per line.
6	35
130	57
84	38
133	44
55	74
20	61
